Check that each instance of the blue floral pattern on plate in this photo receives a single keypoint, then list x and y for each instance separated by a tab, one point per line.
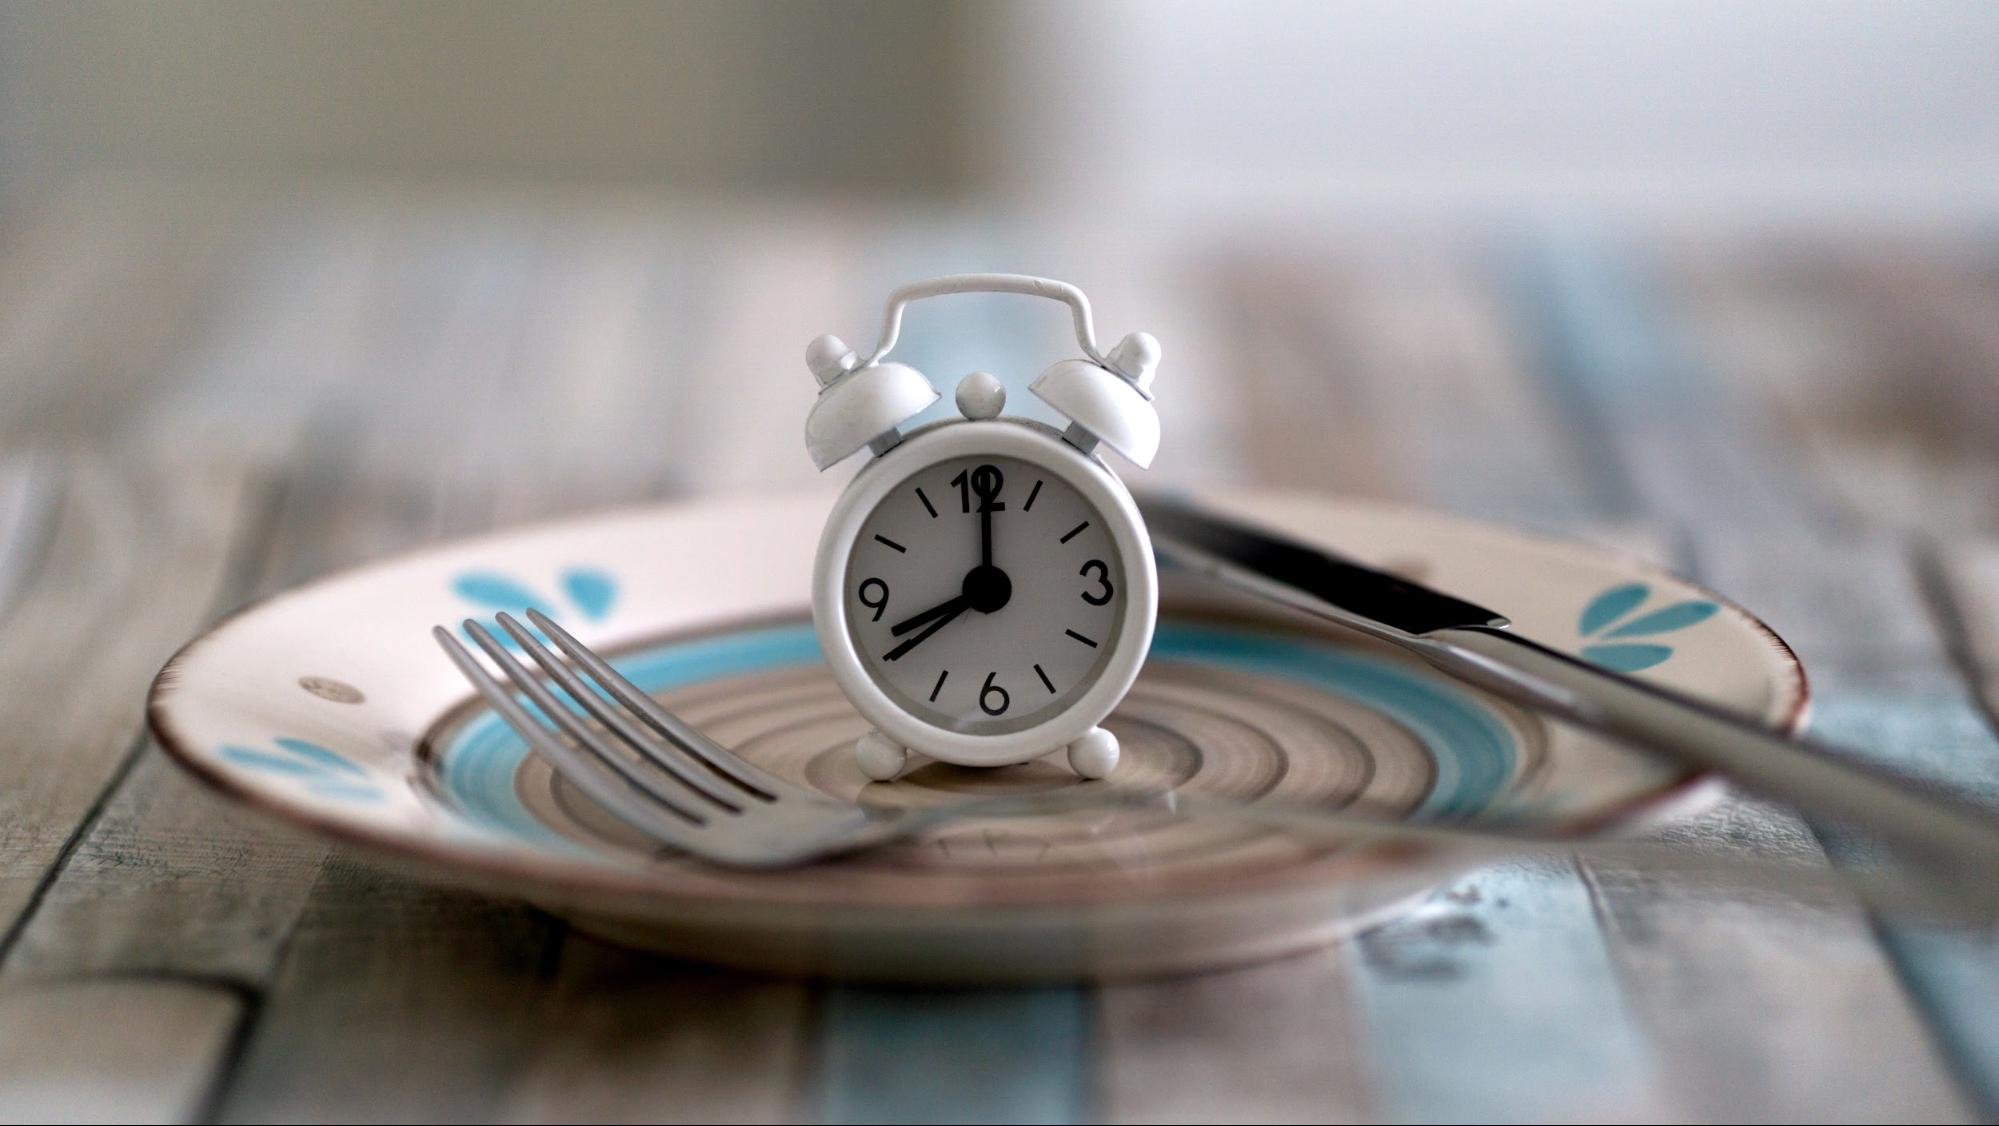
321	771
585	590
1607	622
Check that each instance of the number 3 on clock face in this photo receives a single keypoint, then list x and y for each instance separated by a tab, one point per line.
986	595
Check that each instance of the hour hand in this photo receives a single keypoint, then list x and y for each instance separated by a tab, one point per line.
950	607
939	617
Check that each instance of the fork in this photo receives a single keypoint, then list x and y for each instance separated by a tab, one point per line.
681	788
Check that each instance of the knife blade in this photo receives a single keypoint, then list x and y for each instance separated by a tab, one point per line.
1948	835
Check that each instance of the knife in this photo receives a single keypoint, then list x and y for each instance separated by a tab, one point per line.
1477	645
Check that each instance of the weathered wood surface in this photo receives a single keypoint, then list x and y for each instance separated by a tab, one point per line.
209	395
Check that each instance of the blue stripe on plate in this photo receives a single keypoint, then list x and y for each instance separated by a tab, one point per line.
1474	752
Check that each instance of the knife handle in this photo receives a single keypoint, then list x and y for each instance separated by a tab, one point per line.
1815	777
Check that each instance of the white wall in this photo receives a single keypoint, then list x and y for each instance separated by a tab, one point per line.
1695	106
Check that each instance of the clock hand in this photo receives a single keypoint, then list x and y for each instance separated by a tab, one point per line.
951	606
943	620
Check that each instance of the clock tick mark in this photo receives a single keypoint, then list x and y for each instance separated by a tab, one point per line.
1081	638
1075	531
1031	494
889	543
939	686
927	506
1045	682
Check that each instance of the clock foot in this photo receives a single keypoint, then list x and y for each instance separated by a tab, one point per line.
1094	755
881	757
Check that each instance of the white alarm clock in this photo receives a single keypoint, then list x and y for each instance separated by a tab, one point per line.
984	590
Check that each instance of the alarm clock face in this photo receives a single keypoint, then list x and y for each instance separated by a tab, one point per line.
985	594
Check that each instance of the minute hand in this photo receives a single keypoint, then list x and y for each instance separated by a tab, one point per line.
943	614
951	606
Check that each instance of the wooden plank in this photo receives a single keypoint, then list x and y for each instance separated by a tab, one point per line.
28	497
1611	345
1814	358
86	637
155	883
155	886
1964	580
1421	356
1265	1044
630	1037
77	653
1671	445
113	1050
1758	1005
394	1002
1303	426
1931	402
974	1055
1498	1000
1960	973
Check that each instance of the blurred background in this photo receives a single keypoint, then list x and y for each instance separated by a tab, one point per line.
1696	109
658	192
1426	251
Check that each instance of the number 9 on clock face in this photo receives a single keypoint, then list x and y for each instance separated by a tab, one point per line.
984	594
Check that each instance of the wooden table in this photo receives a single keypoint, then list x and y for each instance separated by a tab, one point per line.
207	394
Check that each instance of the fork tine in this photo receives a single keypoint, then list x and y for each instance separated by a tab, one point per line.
670	726
611	790
667	791
685	769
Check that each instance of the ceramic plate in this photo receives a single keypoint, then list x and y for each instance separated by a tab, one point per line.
331	707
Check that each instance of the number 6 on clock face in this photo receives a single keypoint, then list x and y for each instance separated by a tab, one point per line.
995	592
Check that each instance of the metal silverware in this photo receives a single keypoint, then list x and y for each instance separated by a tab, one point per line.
1476	644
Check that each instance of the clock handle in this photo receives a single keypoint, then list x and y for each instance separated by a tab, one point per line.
1024	284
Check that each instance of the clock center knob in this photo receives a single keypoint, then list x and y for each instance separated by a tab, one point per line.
987	588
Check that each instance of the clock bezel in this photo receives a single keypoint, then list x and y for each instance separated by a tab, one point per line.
1038	445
